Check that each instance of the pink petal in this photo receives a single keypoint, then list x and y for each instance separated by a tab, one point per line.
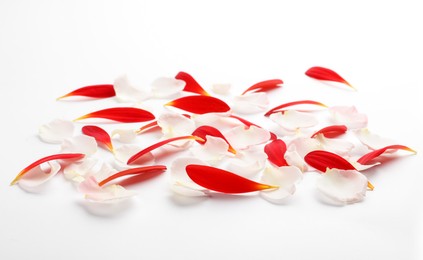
250	103
348	116
286	177
241	138
77	171
338	146
248	162
39	174
181	183
212	151
373	141
109	193
174	124
292	120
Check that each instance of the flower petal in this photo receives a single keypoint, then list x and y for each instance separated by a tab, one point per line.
191	84
166	87
133	171
180	182
322	160
79	144
223	181
110	193
77	171
212	151
56	131
343	186
221	88
275	151
248	162
292	120
338	146
250	103
124	152
283	107
248	124
121	114
285	177
99	134
94	91
348	116
321	73
174	124
241	138
376	153
331	131
204	131
200	104
39	174
371	140
126	92
264	86
125	135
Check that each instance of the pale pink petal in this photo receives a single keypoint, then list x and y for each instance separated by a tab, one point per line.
217	120
213	151
124	152
221	88
79	144
248	162
180	182
109	193
77	171
294	159
348	116
292	120
126	92
242	138
104	172
285	177
338	146
298	148
174	124
342	186
39	175
166	87
125	135
360	167
373	141
250	103
56	131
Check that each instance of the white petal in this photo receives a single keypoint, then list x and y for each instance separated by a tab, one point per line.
179	179
174	124
241	138
348	116
166	87
293	158
40	174
56	131
110	193
250	103
105	171
124	152
248	162
79	144
221	88
286	177
77	171
293	120
298	148
338	146
181	189
216	120
372	140
343	186
213	151
125	135
362	167
126	92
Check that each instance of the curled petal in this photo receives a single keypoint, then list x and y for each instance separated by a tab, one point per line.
283	107
204	131
94	91
121	114
39	174
293	158
343	186
348	116
124	152
298	148
166	87
292	120
133	171
264	86
147	127
331	131
56	131
223	181
248	124
326	74
275	151
174	124
241	138
61	156
99	134
251	103
77	171
376	153
248	162
79	144
110	193
191	84
125	135
322	160
180	182
362	167
200	104
222	89
338	146
212	151
371	140
285	177
126	92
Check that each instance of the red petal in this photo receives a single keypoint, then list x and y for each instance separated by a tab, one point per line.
63	156
133	171
157	145
321	160
275	151
372	155
247	123
147	127
222	181
264	86
200	104
121	114
205	130
191	85
94	91
100	135
294	103
331	131
321	73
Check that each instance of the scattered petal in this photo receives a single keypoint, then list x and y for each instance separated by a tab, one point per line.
241	138
110	193
223	181
376	153
331	131
275	151
126	92
200	104
39	174
77	171
371	140
322	160
124	152
338	146
212	151
298	148
251	103
121	114
283	107
221	89
125	135
56	131
348	116
248	124
147	127
133	171
94	91
175	124
204	131
264	86
343	186
180	182
326	74
292	120
79	144
286	177
248	162
99	134
166	87
191	84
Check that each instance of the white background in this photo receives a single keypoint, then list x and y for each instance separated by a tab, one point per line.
48	48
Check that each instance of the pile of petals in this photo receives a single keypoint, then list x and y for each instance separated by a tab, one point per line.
216	148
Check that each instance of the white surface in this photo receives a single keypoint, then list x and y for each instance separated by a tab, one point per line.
48	48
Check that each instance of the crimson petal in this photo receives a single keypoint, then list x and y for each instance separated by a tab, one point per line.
322	160
321	73
373	154
275	151
133	171
121	114
94	91
264	86
331	131
100	135
294	103
200	104
191	85
205	130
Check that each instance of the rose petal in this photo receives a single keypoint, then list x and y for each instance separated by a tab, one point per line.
348	116
125	135
286	177
166	87
56	131
371	140
39	174
126	92
250	103
241	138
77	171
293	120
338	146
179	180
212	151
343	186
248	162
79	144
109	193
